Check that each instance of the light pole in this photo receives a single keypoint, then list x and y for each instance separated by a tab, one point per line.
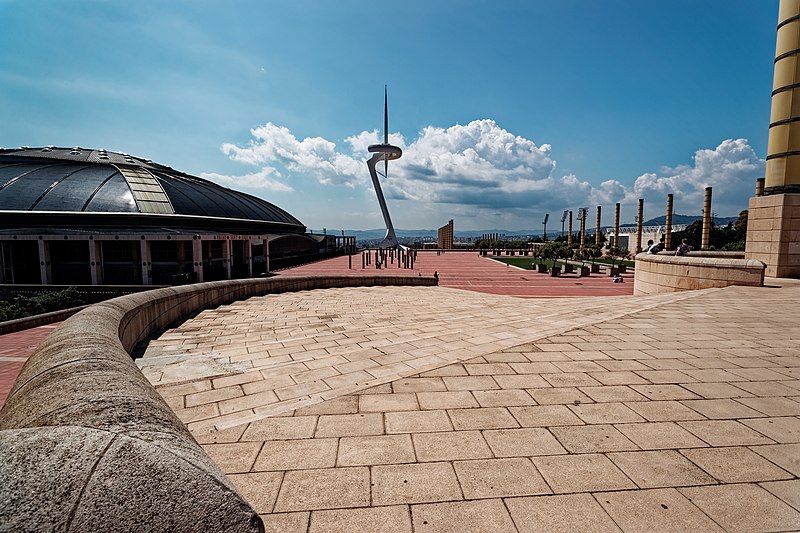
563	218
544	223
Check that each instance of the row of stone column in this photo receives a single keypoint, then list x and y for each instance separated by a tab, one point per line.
382	258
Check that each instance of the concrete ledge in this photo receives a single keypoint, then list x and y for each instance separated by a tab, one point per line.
668	273
87	444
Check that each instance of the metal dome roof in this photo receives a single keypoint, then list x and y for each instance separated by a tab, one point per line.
80	180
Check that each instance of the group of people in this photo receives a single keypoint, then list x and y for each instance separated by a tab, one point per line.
682	249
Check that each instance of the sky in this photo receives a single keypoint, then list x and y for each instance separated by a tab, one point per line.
506	110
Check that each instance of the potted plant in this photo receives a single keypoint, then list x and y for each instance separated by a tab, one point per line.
594	251
616	254
541	267
624	254
582	257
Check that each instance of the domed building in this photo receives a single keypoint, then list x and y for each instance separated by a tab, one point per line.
83	216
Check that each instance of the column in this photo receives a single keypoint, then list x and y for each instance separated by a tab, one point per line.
45	270
94	262
706	219
248	256
616	226
597	233
639	216
144	246
226	257
774	219
197	257
668	231
569	227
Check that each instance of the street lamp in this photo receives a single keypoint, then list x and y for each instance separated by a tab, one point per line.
563	218
544	223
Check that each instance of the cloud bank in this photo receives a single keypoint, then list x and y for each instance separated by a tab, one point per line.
486	171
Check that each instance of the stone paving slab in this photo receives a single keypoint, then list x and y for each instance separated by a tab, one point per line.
513	437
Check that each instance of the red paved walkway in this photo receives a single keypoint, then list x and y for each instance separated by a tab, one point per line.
15	348
468	270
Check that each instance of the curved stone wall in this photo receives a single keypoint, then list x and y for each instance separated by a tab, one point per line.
668	273
87	444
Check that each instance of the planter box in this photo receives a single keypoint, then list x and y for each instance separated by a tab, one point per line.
584	272
623	269
555	272
568	268
595	269
541	269
613	271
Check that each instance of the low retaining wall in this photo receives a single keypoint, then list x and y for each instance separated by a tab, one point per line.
668	273
87	444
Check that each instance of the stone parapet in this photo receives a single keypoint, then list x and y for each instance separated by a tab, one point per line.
87	444
660	273
773	233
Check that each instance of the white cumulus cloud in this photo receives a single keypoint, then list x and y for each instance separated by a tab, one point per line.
487	172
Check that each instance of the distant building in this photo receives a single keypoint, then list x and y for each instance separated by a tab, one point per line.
445	238
83	216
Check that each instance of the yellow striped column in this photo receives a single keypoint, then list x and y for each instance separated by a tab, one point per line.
773	221
783	150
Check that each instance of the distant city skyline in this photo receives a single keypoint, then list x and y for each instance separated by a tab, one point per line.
505	111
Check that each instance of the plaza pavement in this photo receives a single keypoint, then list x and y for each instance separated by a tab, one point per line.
432	409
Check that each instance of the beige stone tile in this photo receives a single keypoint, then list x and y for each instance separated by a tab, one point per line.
250	401
446	400
286	522
724	433
467	383
560	514
417	421
375	450
328	488
211	435
663	411
419	385
395	519
503	398
774	406
267	384
524	442
216	395
605	413
281	428
414	483
788	491
482	418
233	458
626	366
497	478
757	374
236	379
170	391
665	392
260	489
572	379
405	401
450	446
784	430
721	409
587	439
487	369
712	375
659	435
508	357
787	456
200	412
385	388
301	389
744	508
613	393
519	381
581	473
297	454
559	395
535	368
351	425
336	406
766	388
479	516
449	370
663	468
358	378
735	465
716	390
656	510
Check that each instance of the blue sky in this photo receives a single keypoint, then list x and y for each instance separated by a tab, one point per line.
506	110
